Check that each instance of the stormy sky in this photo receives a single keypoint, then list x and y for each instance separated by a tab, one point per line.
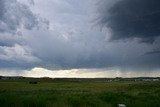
83	38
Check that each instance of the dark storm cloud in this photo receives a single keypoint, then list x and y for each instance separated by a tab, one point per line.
14	64
5	44
152	52
129	19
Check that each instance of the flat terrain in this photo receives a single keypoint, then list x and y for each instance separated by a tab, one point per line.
78	93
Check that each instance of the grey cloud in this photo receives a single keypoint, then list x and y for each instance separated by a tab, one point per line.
1	8
14	15
17	56
31	2
14	18
17	53
130	19
70	42
89	51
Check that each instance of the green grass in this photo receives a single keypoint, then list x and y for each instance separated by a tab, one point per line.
87	93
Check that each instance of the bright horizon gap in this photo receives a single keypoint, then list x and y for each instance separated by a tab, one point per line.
38	72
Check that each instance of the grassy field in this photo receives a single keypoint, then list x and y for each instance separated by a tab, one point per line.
85	93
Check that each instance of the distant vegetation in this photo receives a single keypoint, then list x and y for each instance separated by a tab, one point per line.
47	92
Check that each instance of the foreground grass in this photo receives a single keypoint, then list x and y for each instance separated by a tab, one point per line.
57	93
